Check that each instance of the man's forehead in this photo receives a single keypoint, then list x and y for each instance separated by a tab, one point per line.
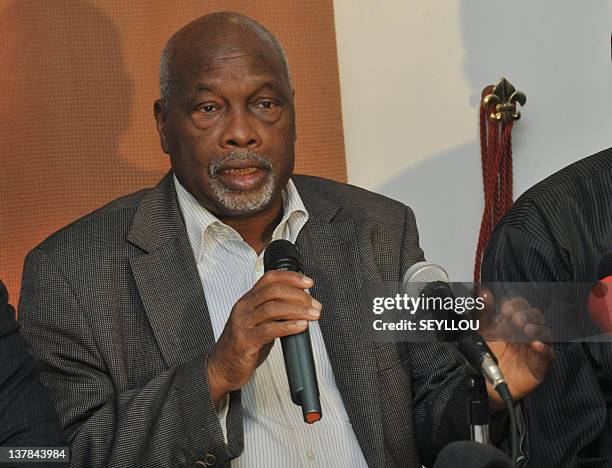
259	63
213	56
214	84
208	69
211	40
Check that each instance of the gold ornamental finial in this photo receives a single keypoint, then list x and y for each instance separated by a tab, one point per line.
501	103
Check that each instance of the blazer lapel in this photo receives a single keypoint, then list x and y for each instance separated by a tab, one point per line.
331	257
167	278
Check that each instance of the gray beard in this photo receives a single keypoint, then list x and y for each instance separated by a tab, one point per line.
242	203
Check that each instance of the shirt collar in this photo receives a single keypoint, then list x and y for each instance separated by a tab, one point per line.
200	222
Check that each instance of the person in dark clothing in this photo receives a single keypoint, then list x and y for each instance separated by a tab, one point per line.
558	231
27	417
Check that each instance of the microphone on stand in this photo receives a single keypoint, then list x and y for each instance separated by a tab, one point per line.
297	349
431	280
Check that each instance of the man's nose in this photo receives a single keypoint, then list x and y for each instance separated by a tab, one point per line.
240	131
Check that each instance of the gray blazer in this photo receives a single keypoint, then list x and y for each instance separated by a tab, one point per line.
114	312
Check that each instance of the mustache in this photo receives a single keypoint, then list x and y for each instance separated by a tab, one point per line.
217	165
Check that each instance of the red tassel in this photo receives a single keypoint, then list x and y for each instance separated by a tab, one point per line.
496	160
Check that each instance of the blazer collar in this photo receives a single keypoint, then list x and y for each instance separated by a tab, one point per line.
158	217
321	206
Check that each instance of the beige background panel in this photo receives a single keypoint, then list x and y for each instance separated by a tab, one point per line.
76	109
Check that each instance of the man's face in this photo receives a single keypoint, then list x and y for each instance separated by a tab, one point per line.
229	128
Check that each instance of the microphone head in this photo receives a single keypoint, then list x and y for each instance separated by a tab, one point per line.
472	455
420	274
282	255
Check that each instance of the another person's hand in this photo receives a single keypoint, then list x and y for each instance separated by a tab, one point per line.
275	306
517	336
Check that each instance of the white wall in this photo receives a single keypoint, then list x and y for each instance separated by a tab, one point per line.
411	73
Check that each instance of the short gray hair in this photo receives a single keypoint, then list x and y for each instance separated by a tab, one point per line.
168	76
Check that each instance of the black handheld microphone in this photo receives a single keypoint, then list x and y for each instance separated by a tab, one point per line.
297	349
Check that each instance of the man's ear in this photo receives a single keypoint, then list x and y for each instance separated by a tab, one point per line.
159	110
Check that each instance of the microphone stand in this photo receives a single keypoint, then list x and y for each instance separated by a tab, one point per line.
479	410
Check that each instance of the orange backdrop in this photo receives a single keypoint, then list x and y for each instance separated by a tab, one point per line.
76	106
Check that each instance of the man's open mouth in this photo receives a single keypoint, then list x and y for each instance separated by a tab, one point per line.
243	179
240	171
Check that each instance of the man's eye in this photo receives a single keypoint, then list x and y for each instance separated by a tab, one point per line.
266	104
208	108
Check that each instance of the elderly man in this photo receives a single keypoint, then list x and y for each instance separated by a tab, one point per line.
156	325
27	417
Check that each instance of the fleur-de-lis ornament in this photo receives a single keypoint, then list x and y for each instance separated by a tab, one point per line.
501	103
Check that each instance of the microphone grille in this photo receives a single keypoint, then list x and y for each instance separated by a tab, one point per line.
420	274
280	252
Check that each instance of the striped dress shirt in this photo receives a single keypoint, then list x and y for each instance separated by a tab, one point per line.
274	432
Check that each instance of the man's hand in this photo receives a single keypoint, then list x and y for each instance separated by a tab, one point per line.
276	306
517	337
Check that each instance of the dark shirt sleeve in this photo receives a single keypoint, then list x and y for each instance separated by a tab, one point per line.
439	381
27	417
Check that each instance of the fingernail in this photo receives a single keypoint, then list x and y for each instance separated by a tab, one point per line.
539	346
316	304
314	313
301	323
307	280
